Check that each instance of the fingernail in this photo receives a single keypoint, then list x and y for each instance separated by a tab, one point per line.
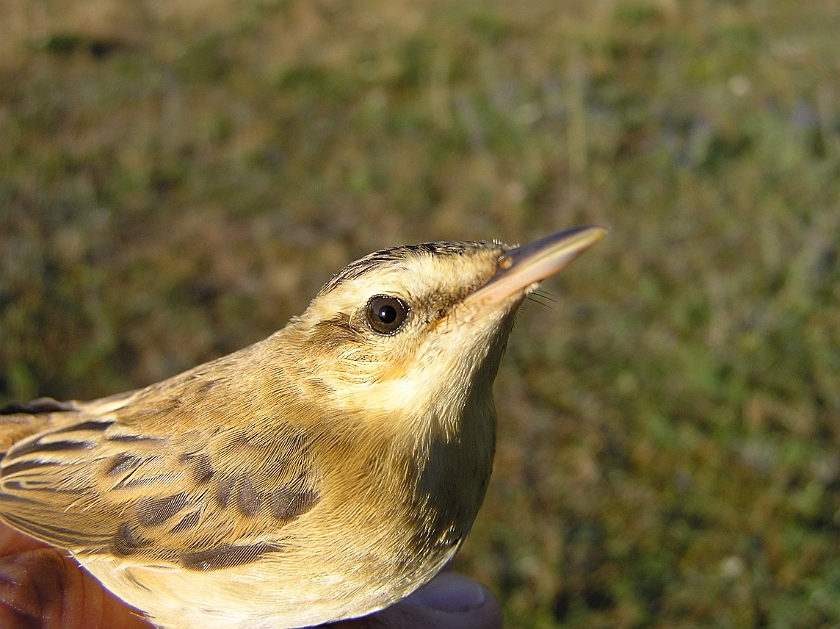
449	592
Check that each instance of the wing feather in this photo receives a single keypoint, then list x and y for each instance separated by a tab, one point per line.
112	479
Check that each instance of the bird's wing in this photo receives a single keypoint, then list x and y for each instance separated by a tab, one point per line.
158	483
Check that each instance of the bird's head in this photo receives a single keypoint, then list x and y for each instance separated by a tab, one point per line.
419	330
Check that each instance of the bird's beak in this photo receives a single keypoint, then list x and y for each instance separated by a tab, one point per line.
519	268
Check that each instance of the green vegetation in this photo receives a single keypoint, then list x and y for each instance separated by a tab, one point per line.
178	178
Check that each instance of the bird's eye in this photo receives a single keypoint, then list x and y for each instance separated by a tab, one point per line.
385	314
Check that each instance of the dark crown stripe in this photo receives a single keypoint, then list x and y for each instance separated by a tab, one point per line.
395	255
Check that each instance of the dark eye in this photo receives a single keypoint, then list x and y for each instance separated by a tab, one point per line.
385	314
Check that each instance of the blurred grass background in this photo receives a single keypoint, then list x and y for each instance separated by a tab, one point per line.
178	178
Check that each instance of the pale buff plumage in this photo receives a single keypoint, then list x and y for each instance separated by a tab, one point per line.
321	474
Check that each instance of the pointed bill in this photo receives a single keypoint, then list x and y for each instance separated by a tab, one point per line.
520	268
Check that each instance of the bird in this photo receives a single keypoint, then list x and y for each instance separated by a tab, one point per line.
321	474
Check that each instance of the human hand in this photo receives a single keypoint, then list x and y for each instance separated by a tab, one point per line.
449	601
43	587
